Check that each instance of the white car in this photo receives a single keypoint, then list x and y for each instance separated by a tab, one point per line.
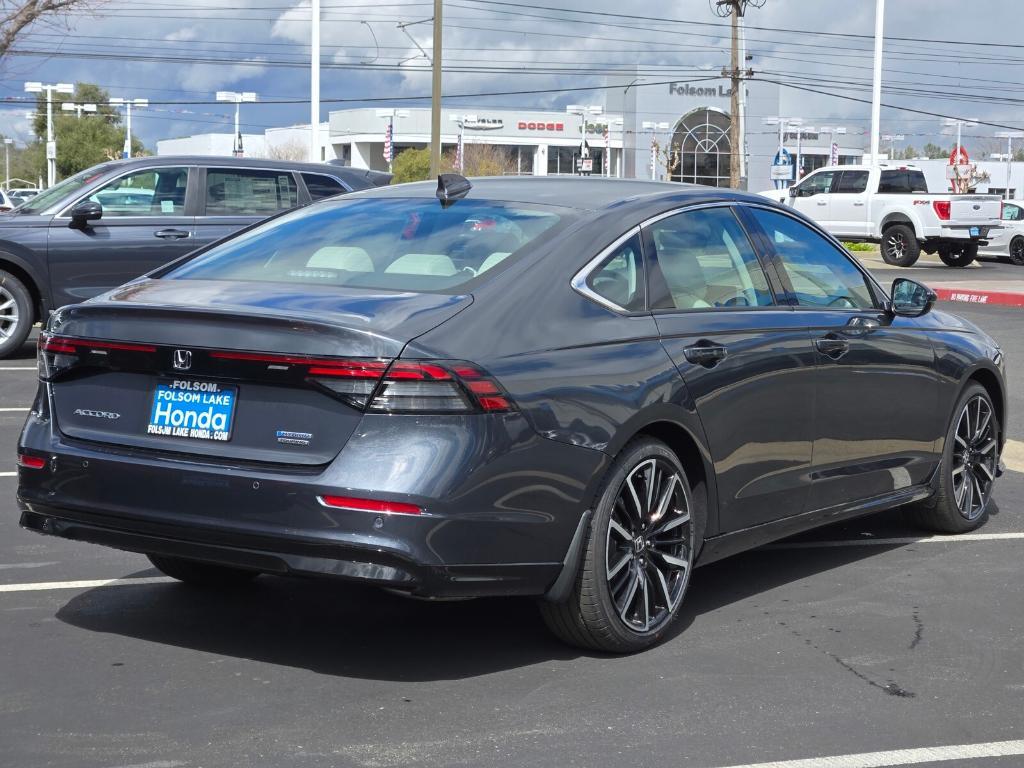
1009	240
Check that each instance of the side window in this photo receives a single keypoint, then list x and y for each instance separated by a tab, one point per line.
245	192
817	184
1011	212
620	279
322	186
901	182
152	192
703	260
820	274
852	182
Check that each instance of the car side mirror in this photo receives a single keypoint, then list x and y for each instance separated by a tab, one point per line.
794	192
84	212
910	298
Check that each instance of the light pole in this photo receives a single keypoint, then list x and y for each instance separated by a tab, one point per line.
7	163
833	148
784	124
389	136
461	120
892	138
652	129
959	124
78	109
583	111
1009	136
314	82
237	97
51	141
128	104
618	122
876	83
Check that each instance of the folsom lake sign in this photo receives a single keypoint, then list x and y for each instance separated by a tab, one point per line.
685	89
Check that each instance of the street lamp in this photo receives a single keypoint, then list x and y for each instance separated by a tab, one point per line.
1009	136
7	163
783	123
583	110
461	121
833	148
618	122
389	133
51	141
237	98
653	129
128	104
892	138
78	109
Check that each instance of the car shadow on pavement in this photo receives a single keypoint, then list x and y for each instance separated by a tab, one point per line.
349	630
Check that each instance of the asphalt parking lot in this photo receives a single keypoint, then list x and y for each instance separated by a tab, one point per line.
857	638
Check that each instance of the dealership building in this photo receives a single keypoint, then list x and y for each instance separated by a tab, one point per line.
675	131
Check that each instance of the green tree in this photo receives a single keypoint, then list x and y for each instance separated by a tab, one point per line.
83	141
909	153
1018	155
934	151
411	165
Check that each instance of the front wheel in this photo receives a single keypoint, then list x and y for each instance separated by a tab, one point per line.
1017	251
958	258
637	556
15	314
900	247
967	473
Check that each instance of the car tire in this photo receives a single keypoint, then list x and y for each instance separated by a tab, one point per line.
637	555
1017	251
16	315
959	258
900	247
201	574
968	469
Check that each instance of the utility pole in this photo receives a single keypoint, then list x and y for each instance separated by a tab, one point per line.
314	83
51	141
435	94
128	104
876	85
7	163
735	10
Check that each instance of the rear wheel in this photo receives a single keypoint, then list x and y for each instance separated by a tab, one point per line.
199	573
960	257
1017	251
968	470
899	246
15	314
637	556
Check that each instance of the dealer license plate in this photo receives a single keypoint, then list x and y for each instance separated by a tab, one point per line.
975	232
201	410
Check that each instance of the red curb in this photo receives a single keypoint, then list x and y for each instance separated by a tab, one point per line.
973	296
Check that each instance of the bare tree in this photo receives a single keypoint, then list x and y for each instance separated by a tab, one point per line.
288	150
19	14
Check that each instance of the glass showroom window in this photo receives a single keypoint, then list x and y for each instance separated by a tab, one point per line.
702	141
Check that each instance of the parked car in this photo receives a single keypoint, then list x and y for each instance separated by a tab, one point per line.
111	223
1009	240
21	195
890	204
573	389
7	201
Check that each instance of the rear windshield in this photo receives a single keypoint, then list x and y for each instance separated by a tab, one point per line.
58	192
398	244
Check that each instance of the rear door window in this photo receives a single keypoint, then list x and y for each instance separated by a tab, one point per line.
249	192
149	192
901	182
320	186
852	182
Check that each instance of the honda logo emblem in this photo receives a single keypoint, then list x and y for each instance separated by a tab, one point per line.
182	359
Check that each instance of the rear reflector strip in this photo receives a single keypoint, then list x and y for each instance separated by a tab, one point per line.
369	505
31	462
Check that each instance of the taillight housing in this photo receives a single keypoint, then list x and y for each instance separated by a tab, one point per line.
31	462
415	386
942	209
57	354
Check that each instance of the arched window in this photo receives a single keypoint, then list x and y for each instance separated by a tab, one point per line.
701	148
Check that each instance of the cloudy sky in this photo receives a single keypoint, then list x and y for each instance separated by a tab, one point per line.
178	53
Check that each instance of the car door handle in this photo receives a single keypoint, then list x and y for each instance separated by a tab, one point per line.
832	346
859	204
171	234
822	202
706	354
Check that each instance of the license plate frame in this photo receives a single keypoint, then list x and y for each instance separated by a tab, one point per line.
975	232
193	409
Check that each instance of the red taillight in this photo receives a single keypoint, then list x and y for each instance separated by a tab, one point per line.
31	462
59	353
370	505
942	208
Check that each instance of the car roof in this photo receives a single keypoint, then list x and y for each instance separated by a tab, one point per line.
342	171
592	193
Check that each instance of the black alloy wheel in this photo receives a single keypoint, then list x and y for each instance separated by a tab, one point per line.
960	257
638	555
899	246
1017	251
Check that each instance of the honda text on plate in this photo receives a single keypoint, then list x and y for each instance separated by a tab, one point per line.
572	389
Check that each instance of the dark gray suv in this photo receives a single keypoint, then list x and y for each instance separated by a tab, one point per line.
116	221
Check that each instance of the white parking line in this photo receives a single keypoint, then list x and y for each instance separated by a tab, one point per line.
14	410
43	586
8	474
866	542
20	368
902	756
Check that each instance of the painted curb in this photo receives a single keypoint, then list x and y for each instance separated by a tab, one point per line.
975	296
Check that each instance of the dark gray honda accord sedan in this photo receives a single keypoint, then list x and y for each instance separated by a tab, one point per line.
573	389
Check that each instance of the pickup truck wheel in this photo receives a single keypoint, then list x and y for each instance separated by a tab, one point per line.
1017	251
899	246
959	258
15	314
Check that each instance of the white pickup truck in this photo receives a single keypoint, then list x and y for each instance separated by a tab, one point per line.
891	205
